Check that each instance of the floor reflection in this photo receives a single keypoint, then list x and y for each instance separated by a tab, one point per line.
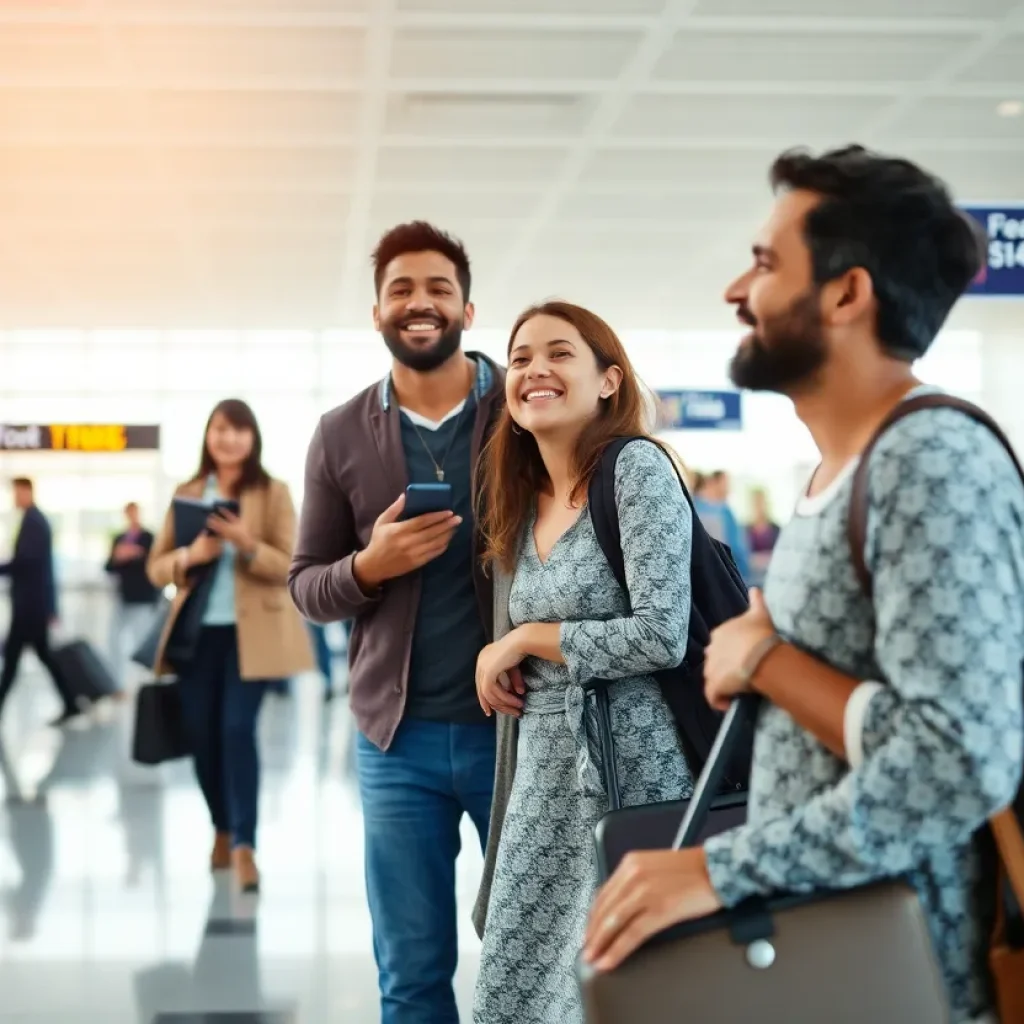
109	914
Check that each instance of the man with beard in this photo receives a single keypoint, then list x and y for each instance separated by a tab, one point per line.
421	607
891	724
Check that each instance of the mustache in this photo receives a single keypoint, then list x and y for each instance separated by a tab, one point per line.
744	315
421	318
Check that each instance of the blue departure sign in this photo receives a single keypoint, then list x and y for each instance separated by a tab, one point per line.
1003	273
700	410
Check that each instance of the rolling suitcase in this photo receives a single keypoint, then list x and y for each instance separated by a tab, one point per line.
846	958
86	673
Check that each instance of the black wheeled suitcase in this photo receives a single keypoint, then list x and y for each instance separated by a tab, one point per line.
86	673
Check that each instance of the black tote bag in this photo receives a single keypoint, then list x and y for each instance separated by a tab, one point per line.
159	727
145	653
181	644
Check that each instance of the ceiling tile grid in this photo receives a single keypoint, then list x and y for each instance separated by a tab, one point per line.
233	162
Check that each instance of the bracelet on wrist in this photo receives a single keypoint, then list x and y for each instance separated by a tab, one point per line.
757	656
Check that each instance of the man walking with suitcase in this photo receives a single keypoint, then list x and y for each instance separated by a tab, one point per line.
33	595
888	646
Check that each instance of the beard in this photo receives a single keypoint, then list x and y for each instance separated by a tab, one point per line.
423	360
782	352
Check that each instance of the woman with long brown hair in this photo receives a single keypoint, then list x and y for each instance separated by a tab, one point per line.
250	633
565	620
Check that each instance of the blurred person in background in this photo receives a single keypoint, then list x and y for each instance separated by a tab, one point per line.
33	597
711	499
251	633
136	596
762	534
324	657
421	605
570	391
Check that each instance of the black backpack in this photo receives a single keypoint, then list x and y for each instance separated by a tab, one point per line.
717	594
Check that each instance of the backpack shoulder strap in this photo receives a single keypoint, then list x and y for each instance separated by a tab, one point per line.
604	512
857	518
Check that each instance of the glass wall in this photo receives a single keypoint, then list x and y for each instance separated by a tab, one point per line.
290	377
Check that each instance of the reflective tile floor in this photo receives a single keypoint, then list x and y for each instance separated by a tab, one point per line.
108	914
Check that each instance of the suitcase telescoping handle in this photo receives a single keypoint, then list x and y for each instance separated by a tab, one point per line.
738	719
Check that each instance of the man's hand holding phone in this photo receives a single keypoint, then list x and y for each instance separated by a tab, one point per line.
398	547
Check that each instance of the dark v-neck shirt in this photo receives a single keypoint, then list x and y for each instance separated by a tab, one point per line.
448	634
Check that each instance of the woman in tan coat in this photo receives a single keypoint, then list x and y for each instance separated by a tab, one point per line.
250	632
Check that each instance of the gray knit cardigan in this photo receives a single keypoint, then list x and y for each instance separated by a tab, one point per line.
505	769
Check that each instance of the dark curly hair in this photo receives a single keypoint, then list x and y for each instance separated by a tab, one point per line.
419	236
897	222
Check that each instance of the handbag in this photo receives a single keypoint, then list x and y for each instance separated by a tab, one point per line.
1006	950
847	957
145	653
184	637
159	727
648	826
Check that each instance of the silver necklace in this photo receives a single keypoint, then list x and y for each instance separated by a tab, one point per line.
439	467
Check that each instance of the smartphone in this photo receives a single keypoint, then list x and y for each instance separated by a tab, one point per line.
222	505
422	499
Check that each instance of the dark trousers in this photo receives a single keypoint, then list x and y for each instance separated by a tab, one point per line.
220	712
29	632
414	797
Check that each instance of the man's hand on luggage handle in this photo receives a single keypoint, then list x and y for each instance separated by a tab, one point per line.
650	891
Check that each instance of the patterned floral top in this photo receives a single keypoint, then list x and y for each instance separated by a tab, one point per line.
939	745
545	872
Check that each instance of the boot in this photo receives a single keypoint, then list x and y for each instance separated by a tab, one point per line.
220	859
246	873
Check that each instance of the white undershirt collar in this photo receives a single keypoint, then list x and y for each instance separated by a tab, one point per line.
420	420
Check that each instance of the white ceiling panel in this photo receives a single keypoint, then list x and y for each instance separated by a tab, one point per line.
819	57
735	169
651	204
426	54
864	8
433	114
50	55
1003	63
727	117
975	173
452	164
175	116
226	52
585	7
299	204
451	208
961	118
214	8
231	163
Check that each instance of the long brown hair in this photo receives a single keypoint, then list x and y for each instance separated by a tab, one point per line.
511	469
240	415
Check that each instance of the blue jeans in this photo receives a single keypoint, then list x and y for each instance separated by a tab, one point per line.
220	711
414	797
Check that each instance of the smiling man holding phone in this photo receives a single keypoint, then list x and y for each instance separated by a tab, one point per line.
387	539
